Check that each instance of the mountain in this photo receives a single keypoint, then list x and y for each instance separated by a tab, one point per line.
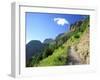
33	48
76	25
47	41
59	36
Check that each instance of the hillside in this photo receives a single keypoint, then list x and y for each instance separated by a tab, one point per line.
69	48
79	53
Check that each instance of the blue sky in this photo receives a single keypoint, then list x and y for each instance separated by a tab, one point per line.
40	26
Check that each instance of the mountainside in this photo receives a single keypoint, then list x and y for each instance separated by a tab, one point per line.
78	55
79	52
82	48
69	48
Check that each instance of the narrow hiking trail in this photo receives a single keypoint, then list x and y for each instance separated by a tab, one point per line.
73	57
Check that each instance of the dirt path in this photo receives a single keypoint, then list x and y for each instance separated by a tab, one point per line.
73	57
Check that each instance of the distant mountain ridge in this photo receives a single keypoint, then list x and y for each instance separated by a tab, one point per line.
49	40
33	48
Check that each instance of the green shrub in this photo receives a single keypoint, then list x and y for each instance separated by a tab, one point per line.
48	51
76	36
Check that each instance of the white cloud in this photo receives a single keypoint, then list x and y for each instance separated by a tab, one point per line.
61	21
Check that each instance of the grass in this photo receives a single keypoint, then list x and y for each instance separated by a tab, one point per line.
57	58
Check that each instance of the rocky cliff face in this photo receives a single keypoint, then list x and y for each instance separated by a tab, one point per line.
83	48
79	53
